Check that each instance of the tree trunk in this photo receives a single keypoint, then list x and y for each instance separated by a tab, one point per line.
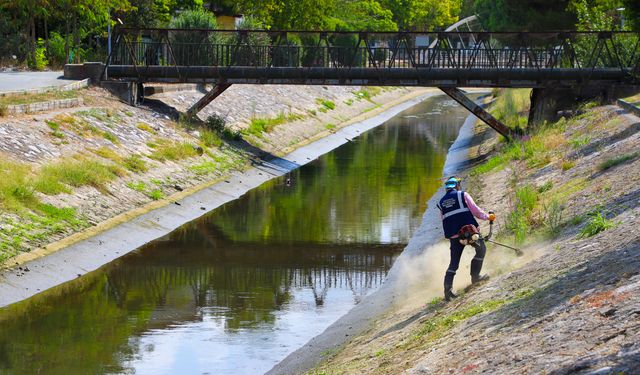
76	38
46	37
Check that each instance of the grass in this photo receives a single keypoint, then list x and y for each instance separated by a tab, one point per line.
520	221
110	137
173	151
435	328
545	187
266	125
204	168
325	105
597	224
137	186
156	194
580	141
210	138
135	163
330	126
512	107
55	178
29	98
145	127
567	164
608	164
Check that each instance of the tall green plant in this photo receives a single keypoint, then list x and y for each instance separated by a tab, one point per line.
195	47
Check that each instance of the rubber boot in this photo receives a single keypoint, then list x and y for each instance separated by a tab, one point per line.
448	294
478	279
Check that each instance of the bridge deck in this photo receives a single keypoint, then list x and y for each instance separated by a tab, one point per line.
447	59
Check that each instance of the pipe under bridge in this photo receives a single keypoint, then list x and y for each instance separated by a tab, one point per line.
448	60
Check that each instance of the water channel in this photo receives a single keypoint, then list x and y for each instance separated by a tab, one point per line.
237	290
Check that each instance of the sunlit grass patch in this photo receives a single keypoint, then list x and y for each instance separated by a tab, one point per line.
173	151
16	189
135	163
57	177
262	125
29	98
145	127
210	138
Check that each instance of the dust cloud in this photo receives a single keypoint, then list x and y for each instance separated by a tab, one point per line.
420	277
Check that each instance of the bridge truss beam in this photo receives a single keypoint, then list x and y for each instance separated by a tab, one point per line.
479	112
216	91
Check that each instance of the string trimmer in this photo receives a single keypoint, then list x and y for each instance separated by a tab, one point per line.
488	239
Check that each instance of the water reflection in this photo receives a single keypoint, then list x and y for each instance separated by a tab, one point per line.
235	292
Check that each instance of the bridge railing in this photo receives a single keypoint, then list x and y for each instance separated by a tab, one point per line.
444	50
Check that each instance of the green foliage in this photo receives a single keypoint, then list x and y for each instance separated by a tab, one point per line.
55	51
326	104
262	125
174	151
510	15
110	137
145	127
38	61
135	163
137	186
423	15
365	15
435	328
182	41
216	123
55	178
545	187
580	141
553	219
520	221
567	164
610	163
156	194
210	139
597	224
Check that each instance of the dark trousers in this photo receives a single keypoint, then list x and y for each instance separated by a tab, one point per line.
456	253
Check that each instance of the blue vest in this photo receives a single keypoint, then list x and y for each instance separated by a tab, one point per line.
455	213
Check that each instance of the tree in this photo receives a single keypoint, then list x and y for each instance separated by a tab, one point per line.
518	15
365	15
423	15
632	14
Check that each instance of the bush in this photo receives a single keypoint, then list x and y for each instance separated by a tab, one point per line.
39	61
252	50
597	224
520	219
194	47
216	123
553	217
56	53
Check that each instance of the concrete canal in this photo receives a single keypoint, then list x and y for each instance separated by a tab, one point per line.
237	290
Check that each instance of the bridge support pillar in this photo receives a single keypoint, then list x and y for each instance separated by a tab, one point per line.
460	97
545	104
218	89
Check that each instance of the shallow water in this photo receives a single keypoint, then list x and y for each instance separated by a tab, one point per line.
239	289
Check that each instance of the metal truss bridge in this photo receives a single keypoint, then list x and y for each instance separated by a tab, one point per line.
447	60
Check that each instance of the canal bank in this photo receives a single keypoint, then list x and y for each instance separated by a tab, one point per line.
403	278
84	252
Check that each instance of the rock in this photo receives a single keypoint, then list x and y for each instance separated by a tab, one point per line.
601	371
607	311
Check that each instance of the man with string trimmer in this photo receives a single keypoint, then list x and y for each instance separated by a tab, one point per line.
459	213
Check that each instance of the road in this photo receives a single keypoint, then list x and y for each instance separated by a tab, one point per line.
16	81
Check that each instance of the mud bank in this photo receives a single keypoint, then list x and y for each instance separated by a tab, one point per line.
87	251
366	312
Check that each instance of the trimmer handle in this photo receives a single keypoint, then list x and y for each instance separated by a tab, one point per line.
486	238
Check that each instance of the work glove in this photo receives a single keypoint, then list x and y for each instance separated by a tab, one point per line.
492	216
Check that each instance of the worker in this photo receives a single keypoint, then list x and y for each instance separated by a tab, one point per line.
459	212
